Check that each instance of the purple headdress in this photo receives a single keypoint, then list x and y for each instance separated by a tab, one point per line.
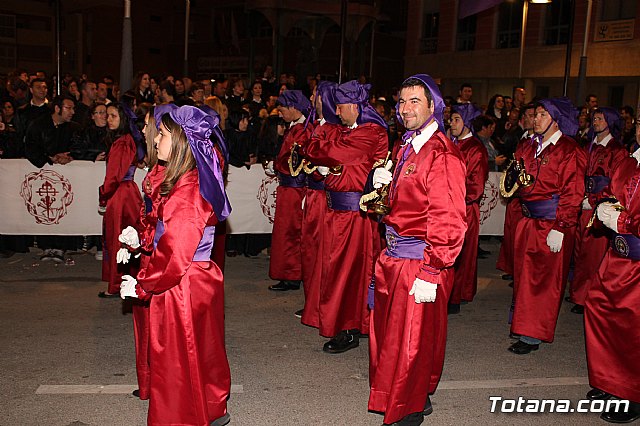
438	105
613	119
562	112
326	90
198	126
353	92
297	100
217	131
468	112
160	110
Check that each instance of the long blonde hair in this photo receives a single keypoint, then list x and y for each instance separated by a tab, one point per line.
150	133
180	159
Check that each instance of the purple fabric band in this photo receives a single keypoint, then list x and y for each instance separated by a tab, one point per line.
404	247
130	173
595	184
545	209
346	201
158	233
371	291
148	205
203	252
626	245
315	184
299	181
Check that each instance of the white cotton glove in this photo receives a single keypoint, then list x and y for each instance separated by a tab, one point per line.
270	168
123	256
554	240
382	175
423	291
323	170
102	210
129	236
608	215
586	205
128	287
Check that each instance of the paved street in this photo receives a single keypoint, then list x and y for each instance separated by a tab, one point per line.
68	358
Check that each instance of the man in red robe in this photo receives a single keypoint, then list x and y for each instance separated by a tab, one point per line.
286	257
612	308
414	275
544	236
350	235
465	279
602	155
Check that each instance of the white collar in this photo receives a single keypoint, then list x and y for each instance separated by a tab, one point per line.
551	141
322	121
298	121
467	136
525	135
636	155
604	141
46	101
354	126
424	136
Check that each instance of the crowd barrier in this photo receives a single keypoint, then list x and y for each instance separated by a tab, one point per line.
63	200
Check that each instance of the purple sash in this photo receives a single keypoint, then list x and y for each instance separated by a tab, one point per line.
292	182
545	209
595	184
346	201
404	247
315	184
626	245
130	173
148	205
203	252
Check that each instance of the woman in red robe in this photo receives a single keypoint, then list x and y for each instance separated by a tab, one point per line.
190	378
119	197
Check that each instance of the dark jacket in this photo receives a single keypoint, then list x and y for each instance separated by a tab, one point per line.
44	140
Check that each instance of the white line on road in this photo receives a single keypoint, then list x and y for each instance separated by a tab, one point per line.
102	389
512	383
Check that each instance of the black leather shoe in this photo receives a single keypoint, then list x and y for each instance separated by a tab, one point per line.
221	421
522	348
511	284
136	393
285	286
568	299
595	393
413	419
578	309
105	295
298	313
453	309
345	340
428	408
620	417
507	277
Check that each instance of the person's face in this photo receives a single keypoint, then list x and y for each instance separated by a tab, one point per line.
238	88
414	108
593	102
520	95
243	125
113	118
39	90
198	95
257	90
153	85
508	104
7	111
67	110
380	110
24	77
179	87
541	121
499	102
163	142
287	113
637	130
99	116
457	125
583	122
599	124
219	90
73	88
466	93
108	82
146	124
446	114
145	82
102	91
206	84
527	119
224	112
91	91
348	113
283	88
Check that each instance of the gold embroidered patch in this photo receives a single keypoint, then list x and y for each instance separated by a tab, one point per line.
545	161
410	169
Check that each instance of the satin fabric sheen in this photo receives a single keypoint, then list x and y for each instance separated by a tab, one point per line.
612	308
407	340
122	200
286	254
465	281
190	378
539	274
350	238
591	243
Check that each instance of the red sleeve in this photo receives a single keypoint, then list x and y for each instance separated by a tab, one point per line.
296	134
185	214
348	147
121	155
571	179
477	172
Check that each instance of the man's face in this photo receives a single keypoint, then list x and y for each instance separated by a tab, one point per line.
67	110
39	91
348	113
599	123
91	91
288	113
542	120
508	104
198	95
527	119
593	102
457	125
520	95
102	91
219	90
466	93
206	84
583	121
413	106
238	88
318	102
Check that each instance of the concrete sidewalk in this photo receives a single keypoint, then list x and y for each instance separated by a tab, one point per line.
56	331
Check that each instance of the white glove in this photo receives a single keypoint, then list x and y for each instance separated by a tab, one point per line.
129	236
608	215
128	287
270	168
323	170
382	175
554	240
423	291
102	210
123	256
586	205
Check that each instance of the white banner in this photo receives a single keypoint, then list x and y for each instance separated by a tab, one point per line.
63	200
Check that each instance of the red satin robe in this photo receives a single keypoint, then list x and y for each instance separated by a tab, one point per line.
407	340
190	378
591	243
612	308
123	201
465	281
539	274
286	255
350	237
